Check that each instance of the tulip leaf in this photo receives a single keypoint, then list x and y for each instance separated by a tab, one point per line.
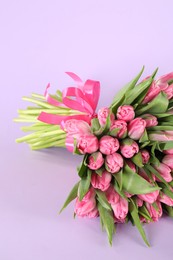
84	184
135	184
139	90
83	168
137	159
119	178
117	189
135	216
101	197
120	96
104	129
158	105
95	125
144	212
161	128
166	191
164	145
72	195
169	210
100	171
107	221
144	137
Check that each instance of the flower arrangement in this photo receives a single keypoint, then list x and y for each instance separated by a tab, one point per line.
126	171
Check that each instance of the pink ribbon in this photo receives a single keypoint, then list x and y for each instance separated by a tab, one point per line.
83	98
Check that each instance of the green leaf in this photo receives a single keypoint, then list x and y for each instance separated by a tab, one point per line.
95	125
100	171
144	212
137	159
155	172
161	128
84	184
101	197
107	220
144	137
83	168
104	129
135	216
137	91
166	191
134	183
119	178
158	105
72	195
120	96
117	189
169	210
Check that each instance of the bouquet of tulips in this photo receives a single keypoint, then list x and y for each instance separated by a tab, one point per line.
127	148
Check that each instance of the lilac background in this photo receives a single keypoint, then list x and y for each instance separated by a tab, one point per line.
39	40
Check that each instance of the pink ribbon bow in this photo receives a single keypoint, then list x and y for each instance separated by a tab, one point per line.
83	98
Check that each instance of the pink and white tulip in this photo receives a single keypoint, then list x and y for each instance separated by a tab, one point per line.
168	160
150	120
113	162
121	127
87	144
103	114
95	161
136	128
125	113
87	206
101	182
164	171
129	148
108	145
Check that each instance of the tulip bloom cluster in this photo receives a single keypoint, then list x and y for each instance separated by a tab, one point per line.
127	168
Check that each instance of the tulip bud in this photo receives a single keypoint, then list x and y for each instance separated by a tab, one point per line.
129	148
154	213
95	161
113	162
168	160
101	182
150	120
119	129
136	128
108	145
164	171
125	113
145	156
87	144
103	114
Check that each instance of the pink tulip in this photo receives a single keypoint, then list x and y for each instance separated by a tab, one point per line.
165	199
131	165
161	136
74	126
129	148
101	182
155	214
149	197
121	127
150	120
125	113
103	114
87	207
108	145
139	202
169	151
136	128
87	144
113	162
145	156
160	85
164	171
120	210
168	160
111	195
95	161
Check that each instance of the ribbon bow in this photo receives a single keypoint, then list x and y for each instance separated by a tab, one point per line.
83	98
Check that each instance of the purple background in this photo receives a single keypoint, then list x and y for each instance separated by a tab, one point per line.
39	41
